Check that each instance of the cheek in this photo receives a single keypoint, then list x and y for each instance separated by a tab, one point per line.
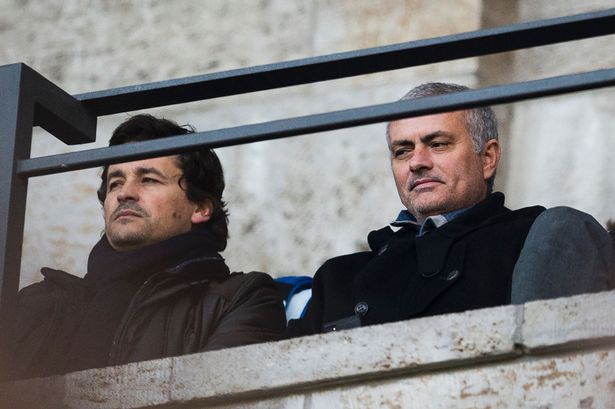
399	175
472	178
106	209
177	209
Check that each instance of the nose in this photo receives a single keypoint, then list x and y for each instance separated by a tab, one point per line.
421	159
128	191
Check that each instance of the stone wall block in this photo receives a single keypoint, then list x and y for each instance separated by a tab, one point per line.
142	384
552	157
544	132
580	380
566	322
85	46
350	25
136	385
365	353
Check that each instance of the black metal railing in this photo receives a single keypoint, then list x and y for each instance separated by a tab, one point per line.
28	100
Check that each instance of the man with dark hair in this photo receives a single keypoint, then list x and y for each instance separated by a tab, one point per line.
156	285
457	247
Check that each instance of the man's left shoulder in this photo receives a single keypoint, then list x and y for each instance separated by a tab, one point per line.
524	214
527	212
493	208
239	282
253	278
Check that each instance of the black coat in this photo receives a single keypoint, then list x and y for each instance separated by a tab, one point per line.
172	298
465	264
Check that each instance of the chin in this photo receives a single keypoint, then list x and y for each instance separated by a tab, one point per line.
428	207
128	241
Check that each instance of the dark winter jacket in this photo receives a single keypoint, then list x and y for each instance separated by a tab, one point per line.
465	264
172	298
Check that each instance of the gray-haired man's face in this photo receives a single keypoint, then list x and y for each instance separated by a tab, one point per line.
434	164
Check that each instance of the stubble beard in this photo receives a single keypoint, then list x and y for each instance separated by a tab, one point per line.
422	206
123	239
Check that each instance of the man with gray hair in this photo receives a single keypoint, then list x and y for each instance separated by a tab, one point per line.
457	247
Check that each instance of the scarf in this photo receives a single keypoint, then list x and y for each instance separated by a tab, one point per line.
114	277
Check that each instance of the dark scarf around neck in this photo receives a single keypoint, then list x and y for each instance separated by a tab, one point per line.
187	250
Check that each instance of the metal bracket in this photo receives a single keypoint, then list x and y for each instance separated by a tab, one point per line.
28	99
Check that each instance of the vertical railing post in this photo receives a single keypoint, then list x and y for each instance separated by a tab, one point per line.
16	118
28	99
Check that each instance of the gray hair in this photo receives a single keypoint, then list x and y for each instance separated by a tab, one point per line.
481	123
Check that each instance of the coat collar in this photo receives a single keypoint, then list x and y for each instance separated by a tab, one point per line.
185	252
432	248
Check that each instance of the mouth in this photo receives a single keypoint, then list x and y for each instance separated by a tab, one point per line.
126	213
424	183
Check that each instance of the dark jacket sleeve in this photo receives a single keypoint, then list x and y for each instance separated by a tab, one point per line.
252	313
332	294
38	331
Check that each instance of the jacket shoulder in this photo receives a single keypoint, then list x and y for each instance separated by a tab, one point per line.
241	282
55	283
31	331
250	311
347	260
342	268
528	212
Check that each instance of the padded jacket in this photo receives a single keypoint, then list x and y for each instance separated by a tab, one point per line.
193	306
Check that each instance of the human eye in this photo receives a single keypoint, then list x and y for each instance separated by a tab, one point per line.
147	180
440	145
401	152
113	185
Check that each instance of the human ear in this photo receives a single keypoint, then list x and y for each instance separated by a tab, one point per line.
490	157
202	213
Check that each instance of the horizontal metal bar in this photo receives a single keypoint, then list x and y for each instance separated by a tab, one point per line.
347	64
316	123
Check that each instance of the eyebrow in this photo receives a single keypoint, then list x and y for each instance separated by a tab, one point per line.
140	171
424	139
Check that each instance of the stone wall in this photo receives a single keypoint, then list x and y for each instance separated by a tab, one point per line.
545	354
293	203
296	202
558	148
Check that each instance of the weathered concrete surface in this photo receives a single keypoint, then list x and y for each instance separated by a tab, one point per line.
363	353
500	358
585	380
568	321
556	144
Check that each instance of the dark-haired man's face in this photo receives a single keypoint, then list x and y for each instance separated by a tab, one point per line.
145	203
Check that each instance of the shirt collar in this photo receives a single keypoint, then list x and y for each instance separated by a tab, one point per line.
405	218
